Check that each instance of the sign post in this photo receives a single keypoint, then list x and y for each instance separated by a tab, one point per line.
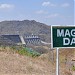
57	61
62	37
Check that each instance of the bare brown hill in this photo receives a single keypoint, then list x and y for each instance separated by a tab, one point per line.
25	27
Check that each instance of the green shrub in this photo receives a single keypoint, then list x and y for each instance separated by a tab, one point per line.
20	50
28	52
73	68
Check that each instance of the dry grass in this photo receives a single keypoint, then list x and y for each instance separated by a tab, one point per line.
11	63
14	63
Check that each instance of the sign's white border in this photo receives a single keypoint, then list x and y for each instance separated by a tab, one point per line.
52	36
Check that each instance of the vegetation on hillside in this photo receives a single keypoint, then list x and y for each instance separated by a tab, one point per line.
22	57
20	50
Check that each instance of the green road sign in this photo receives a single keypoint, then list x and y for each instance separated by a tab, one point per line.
63	36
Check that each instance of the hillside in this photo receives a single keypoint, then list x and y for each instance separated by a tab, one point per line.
26	27
12	63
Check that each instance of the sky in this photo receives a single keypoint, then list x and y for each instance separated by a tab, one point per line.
50	12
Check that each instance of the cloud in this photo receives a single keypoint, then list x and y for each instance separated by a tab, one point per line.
41	12
65	5
6	6
53	15
47	3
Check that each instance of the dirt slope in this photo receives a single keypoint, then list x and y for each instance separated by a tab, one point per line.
14	64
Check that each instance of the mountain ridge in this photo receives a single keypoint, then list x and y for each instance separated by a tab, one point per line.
25	27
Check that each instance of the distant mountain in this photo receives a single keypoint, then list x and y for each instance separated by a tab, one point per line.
25	27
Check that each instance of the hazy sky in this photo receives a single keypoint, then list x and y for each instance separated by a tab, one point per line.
51	12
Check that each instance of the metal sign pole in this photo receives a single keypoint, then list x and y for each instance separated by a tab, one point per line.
57	61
